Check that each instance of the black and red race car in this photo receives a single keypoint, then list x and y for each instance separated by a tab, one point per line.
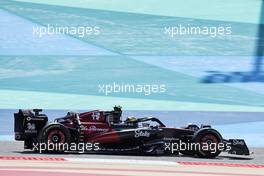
147	135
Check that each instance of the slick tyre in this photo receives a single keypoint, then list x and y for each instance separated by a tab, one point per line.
55	137
208	140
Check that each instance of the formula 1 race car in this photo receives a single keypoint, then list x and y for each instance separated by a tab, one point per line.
147	135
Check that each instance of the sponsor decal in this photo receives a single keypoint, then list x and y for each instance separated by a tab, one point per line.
238	142
141	133
31	128
170	139
93	128
96	115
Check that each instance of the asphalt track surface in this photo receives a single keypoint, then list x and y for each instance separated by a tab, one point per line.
15	161
9	148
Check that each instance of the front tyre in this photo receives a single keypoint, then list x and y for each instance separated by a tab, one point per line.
208	140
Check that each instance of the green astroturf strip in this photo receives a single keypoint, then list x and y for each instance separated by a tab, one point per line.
225	10
31	99
139	34
82	75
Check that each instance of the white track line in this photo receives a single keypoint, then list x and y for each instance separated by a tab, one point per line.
123	161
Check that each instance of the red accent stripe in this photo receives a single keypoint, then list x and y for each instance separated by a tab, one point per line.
221	164
31	158
43	173
181	163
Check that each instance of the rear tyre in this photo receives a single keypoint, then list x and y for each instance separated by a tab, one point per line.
55	137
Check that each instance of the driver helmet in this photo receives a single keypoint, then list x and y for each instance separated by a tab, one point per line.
131	119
